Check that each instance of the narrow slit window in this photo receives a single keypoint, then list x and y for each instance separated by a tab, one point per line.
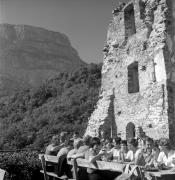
133	78
142	9
129	20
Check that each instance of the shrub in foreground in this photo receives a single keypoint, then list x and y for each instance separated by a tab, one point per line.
21	166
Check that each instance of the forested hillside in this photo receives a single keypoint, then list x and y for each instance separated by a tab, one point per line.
30	117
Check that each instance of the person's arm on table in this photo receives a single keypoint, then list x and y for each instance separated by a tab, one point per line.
93	158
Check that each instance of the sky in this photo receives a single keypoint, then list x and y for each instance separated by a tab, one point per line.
85	22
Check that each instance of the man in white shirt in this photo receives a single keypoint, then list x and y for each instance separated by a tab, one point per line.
140	134
53	148
56	144
116	149
66	149
134	154
167	155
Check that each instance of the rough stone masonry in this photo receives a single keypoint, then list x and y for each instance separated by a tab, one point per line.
138	73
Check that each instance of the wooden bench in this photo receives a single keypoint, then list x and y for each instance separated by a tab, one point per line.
101	165
45	159
111	166
2	174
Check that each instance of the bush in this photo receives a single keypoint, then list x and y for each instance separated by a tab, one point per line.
21	166
64	102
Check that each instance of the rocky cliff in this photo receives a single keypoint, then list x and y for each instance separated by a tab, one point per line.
29	55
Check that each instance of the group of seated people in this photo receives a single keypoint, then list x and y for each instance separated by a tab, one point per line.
142	151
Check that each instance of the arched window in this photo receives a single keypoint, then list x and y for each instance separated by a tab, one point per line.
130	130
129	20
133	78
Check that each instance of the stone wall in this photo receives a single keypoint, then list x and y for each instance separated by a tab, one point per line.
147	43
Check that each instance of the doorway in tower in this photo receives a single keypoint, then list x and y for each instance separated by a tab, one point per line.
130	130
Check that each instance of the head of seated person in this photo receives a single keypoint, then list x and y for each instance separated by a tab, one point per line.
132	144
123	146
109	144
63	136
148	145
87	140
102	134
50	149
95	144
76	135
117	143
55	140
69	144
164	145
78	143
139	132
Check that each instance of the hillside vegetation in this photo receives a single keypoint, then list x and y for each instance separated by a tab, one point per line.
30	117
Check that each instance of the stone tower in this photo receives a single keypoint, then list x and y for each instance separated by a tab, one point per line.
138	71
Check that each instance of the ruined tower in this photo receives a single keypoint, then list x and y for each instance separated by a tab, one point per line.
138	71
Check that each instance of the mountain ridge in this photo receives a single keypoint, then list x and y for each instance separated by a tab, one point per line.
29	55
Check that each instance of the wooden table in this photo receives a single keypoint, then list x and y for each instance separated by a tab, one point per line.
162	174
112	166
101	165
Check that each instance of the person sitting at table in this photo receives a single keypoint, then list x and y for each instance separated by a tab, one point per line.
109	144
76	136
134	155
63	137
102	136
54	147
167	155
82	149
155	150
116	149
108	148
140	134
151	154
72	153
148	152
93	154
68	146
123	150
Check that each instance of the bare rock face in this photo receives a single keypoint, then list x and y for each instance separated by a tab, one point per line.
29	55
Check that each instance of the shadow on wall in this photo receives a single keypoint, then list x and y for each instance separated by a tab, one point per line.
109	126
171	111
130	131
